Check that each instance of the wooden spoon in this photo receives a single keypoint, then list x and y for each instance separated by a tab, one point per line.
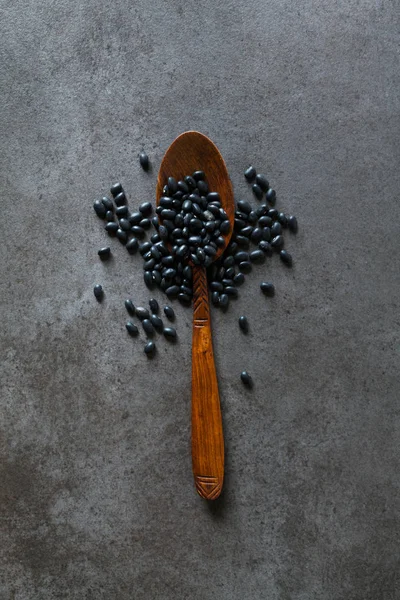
193	151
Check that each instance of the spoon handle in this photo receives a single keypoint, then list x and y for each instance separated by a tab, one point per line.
207	434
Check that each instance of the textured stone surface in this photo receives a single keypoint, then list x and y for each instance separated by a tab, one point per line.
96	494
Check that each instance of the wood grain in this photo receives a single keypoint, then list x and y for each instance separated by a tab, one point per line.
190	152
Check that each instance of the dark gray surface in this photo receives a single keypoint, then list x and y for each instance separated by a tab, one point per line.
97	499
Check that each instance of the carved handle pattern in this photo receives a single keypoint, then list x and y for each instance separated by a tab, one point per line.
207	434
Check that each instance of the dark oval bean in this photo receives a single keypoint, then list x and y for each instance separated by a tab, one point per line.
154	307
145	247
183	187
210	250
257	256
239	224
271	196
283	219
243	241
187	206
150	348
225	227
245	267
202	187
256	235
292	223
230	272
169	313
220	241
98	292
286	257
266	234
277	242
244	206
156	322
245	377
252	217
198	175
233	247
231	291
120	199
276	229
169	273
190	181
144	161
262	181
215	298
99	209
137	230
149	279
145	223
111	228
200	254
131	328
121	211
172	185
257	191
229	261
108	203
132	245
267	288
262	210
213	197
165	190
135	218
187	272
109	215
166	202
122	236
186	290
124	224
156	277
149	264
250	174
241	256
142	313
145	208
168	213
247	231
170	333
104	253
265	221
182	251
130	307
148	326
116	189
156	254
216	286
265	247
273	213
227	282
172	291
163	232
224	301
155	238
244	324
238	279
184	299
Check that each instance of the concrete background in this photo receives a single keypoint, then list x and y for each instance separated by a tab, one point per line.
96	493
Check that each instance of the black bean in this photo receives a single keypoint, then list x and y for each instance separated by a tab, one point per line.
120	199
200	254
172	185
172	291
124	224
168	213
256	235
154	307
265	247
241	256
202	187
245	377
135	218
266	234
271	196
239	224
99	208
257	191
116	189
165	190
169	273
210	250
130	307
276	229
150	349
137	230
282	218
177	199
250	173
220	241
190	181
245	266
132	245
230	272
229	261
169	313
131	328
98	292
277	242
262	210
148	279
163	232
155	238
145	223
122	236
156	254
109	215
242	241
267	288
145	208
238	279
215	298
186	290
108	203
170	333
224	301
198	175
144	161
233	247
156	277
231	291
104	253
286	257
252	217
225	227
227	282
244	324
121	211
244	206
292	223
194	240
182	251
262	181
187	272
148	326
142	313
247	231
156	322
184	299
265	221
213	197
145	247
216	286
165	202
273	213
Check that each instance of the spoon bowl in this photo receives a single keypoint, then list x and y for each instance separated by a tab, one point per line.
193	151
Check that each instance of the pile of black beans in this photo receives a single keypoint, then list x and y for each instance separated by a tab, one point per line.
188	228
